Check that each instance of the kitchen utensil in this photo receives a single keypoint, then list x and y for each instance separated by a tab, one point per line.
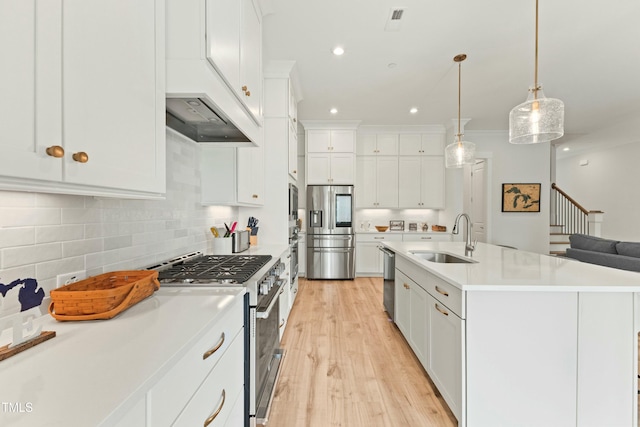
233	227
215	233
228	231
382	228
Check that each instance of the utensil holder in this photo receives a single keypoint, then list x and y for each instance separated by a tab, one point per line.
221	246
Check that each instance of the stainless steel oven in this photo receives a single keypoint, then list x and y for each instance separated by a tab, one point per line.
293	202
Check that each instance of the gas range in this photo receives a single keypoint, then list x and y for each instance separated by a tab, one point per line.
254	272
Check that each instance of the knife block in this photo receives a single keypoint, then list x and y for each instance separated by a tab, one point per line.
253	240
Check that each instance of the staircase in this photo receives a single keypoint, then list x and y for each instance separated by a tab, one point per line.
569	217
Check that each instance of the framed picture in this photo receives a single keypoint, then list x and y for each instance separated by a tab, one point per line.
396	225
520	197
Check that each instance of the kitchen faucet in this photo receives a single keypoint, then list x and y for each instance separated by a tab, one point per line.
469	247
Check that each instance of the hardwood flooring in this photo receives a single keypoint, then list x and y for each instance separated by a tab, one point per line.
347	365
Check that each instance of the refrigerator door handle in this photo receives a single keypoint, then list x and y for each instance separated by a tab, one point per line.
332	250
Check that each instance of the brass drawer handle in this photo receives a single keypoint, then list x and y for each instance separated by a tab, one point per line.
281	324
440	291
248	93
441	310
244	88
80	157
215	414
214	349
55	151
255	196
406	286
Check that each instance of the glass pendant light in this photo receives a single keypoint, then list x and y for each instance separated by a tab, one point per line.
460	152
538	119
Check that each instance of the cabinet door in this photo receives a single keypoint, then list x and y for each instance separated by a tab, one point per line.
432	144
293	151
250	175
410	145
113	93
409	188
387	182
251	59
366	182
30	89
432	191
343	141
418	322
402	302
223	39
366	145
318	141
387	144
445	347
368	259
318	168
342	168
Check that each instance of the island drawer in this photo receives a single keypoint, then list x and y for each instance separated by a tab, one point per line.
444	292
370	237
426	237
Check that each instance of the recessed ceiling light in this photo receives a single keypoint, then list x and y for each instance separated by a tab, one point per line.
566	149
413	110
334	111
392	65
338	50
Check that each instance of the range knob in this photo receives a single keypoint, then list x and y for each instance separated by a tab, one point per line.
264	288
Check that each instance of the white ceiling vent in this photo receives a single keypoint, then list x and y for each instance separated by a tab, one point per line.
394	18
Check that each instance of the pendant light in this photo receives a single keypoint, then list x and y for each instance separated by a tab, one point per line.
460	152
538	119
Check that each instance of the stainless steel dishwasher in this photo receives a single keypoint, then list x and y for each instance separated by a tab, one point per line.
389	277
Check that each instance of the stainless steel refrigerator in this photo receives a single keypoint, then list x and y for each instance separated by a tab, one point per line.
330	232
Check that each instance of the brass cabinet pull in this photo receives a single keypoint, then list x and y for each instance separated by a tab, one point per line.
406	286
281	324
244	88
214	349
295	171
55	151
215	414
248	93
81	157
445	293
426	238
441	310
255	196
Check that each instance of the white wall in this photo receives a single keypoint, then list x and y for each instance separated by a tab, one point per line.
609	182
43	235
509	164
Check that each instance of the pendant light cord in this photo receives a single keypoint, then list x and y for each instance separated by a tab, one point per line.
459	97
535	75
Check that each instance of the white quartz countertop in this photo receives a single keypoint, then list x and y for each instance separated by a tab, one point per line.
499	269
401	232
92	371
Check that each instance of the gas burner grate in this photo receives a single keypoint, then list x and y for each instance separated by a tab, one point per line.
216	268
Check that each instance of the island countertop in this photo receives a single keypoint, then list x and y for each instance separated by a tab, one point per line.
499	268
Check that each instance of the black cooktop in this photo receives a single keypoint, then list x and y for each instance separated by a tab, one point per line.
215	268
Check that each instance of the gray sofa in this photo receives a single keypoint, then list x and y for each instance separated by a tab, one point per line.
610	253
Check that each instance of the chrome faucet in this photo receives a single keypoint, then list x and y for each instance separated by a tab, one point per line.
469	247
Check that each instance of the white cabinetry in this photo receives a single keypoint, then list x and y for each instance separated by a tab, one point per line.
233	38
330	156
285	293
421	144
209	377
377	182
232	176
377	144
402	294
68	78
369	259
421	182
302	254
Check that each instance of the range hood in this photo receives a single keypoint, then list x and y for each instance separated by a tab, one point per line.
200	120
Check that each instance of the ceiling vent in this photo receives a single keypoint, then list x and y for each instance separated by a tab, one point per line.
393	19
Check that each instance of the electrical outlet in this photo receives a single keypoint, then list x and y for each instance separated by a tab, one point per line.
65	279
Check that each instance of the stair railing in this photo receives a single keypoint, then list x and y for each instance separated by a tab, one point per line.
569	213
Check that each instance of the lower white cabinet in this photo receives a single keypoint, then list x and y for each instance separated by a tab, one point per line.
285	294
402	300
369	260
302	254
209	376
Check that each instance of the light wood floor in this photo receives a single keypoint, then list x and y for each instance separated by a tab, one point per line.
347	365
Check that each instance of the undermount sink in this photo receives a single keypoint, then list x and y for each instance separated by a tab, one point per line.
441	257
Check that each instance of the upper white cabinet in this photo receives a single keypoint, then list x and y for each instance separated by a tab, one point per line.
232	176
91	116
377	144
330	155
233	40
421	182
377	182
412	144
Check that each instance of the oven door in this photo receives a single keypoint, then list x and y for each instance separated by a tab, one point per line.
293	248
267	354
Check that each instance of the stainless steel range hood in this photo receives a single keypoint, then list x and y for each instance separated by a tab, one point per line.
200	120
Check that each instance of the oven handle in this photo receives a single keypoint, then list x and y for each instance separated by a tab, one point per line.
265	314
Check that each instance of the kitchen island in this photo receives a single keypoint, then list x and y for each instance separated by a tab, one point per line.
142	367
516	338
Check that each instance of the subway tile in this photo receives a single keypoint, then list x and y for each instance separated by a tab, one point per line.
81	216
51	269
117	242
82	247
60	201
20	217
25	255
8	275
18	236
17	199
59	233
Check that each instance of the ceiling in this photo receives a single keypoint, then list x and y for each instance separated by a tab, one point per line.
589	57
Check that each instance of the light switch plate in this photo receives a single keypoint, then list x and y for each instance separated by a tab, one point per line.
68	278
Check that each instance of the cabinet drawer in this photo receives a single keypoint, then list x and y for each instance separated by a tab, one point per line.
217	396
423	237
370	237
443	292
174	390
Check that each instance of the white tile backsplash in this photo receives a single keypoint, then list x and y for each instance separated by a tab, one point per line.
43	235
